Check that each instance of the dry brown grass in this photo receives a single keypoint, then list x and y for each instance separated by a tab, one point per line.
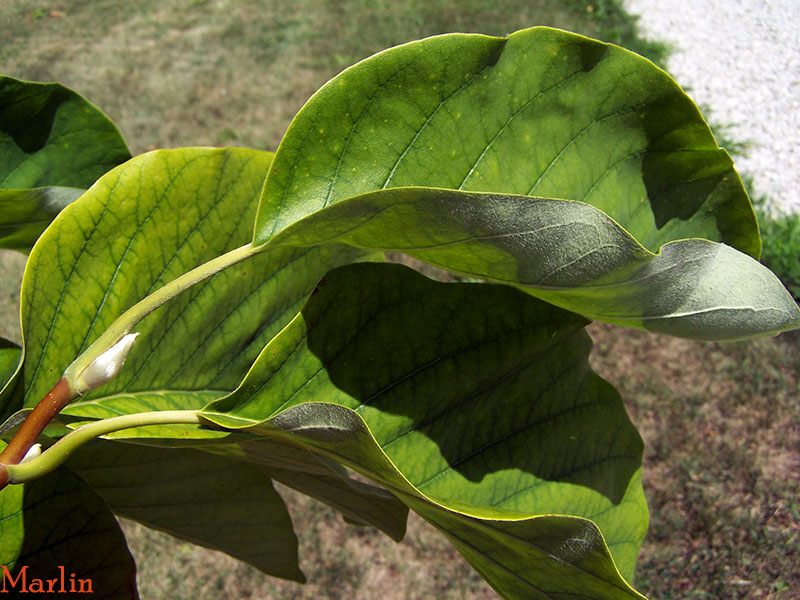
721	425
340	561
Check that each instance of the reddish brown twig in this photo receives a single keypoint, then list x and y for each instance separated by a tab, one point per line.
33	425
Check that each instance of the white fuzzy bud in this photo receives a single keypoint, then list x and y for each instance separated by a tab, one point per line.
103	368
32	453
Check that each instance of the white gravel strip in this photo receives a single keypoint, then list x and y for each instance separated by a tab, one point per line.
741	58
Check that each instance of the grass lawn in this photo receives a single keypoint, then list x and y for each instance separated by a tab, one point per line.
721	422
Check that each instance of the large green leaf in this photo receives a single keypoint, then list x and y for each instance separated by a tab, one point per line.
147	222
298	469
477	404
642	188
541	112
473	404
521	556
53	145
56	523
10	390
209	500
143	224
568	253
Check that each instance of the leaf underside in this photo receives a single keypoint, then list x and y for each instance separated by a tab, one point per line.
567	253
213	501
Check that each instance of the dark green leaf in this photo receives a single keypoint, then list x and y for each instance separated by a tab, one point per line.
540	115
58	523
328	482
541	112
209	500
296	468
25	214
10	388
53	145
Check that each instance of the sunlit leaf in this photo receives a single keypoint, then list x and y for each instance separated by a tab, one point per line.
141	226
542	112
477	404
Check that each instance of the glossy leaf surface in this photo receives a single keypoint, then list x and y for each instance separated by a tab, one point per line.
542	112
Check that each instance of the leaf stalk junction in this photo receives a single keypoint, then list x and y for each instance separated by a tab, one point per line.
59	452
97	365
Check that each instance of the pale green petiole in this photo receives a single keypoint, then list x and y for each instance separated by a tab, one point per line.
59	452
98	364
104	358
